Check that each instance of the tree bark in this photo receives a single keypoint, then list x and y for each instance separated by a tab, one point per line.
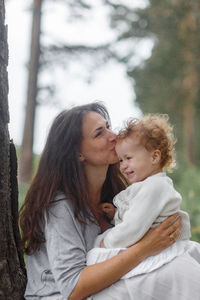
190	86
12	269
26	153
189	33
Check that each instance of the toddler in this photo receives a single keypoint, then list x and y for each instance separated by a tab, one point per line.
145	148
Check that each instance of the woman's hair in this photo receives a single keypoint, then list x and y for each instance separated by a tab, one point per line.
154	132
60	170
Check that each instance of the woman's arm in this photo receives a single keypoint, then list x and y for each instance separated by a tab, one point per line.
99	276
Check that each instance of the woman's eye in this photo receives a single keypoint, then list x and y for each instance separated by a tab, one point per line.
98	134
108	126
103	131
128	158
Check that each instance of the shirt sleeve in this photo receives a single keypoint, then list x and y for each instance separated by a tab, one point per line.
65	245
152	198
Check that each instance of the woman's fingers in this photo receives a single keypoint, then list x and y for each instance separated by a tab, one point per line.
169	221
175	227
171	228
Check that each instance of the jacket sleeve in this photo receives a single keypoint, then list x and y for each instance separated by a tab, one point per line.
65	247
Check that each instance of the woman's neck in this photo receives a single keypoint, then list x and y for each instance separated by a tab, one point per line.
96	178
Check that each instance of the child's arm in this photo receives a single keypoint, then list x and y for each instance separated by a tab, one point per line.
102	244
108	209
153	198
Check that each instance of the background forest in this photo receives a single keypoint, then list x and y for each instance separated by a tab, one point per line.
166	82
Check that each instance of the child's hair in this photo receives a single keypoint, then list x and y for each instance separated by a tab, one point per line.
154	132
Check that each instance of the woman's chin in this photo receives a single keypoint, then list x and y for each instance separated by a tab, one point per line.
114	159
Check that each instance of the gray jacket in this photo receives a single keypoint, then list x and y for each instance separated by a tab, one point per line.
57	265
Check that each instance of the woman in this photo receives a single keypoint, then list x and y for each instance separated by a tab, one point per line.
61	218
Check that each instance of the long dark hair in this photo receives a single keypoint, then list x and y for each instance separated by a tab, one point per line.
60	170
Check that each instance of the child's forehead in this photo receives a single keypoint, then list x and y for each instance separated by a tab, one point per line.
132	139
128	144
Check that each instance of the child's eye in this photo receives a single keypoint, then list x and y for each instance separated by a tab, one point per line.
128	158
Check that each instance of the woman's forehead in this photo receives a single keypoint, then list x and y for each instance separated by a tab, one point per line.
92	121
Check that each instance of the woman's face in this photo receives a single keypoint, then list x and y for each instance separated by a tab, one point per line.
98	143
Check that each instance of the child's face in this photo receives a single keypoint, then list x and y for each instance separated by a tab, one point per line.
136	163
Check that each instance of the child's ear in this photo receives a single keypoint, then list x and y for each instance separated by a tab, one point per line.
81	157
156	156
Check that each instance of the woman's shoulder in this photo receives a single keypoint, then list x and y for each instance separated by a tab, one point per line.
60	215
59	199
60	205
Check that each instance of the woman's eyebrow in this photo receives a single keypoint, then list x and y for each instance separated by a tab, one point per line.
101	127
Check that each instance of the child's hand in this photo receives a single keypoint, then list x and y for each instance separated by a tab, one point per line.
108	209
102	244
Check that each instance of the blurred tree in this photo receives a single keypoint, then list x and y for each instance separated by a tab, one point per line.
26	153
12	270
41	56
167	82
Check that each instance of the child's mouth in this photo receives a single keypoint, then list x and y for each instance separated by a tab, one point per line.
129	174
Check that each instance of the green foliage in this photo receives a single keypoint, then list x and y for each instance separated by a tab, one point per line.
187	184
165	83
22	193
168	82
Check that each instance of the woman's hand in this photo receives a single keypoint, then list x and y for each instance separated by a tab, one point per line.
162	236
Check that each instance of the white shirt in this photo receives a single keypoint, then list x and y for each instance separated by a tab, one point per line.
144	205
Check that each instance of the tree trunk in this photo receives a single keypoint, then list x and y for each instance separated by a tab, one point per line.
26	153
12	270
189	33
189	134
190	87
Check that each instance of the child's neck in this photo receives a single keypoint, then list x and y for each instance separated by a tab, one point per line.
154	172
159	170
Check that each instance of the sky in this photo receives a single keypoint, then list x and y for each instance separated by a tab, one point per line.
110	83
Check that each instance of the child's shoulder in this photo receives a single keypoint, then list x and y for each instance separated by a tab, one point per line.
159	181
160	177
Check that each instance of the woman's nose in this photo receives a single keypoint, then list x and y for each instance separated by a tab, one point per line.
112	136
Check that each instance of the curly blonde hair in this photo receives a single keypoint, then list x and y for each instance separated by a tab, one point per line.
155	133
